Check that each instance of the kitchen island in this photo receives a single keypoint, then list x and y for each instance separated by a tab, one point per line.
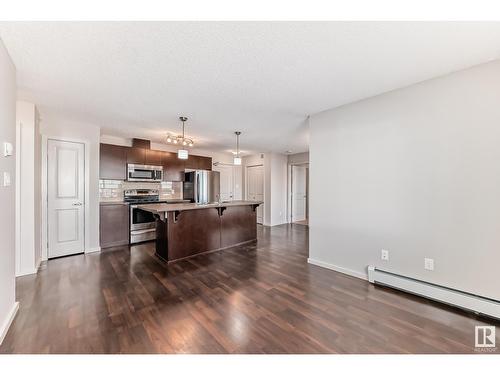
187	229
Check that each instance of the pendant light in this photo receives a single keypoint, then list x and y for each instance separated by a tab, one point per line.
180	139
183	153
237	159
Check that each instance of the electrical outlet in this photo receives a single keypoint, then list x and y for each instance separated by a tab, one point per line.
384	254
429	264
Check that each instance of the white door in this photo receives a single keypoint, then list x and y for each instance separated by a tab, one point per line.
65	189
255	186
226	182
299	192
237	177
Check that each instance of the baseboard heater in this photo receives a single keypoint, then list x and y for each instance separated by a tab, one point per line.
439	293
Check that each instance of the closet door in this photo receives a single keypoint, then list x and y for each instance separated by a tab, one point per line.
255	188
226	182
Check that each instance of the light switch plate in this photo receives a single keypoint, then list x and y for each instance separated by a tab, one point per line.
429	264
7	149
6	179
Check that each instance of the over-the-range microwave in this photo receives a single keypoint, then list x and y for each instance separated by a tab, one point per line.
144	173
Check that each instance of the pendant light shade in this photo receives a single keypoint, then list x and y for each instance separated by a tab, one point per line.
182	154
237	159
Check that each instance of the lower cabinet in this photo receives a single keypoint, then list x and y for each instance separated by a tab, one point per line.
114	225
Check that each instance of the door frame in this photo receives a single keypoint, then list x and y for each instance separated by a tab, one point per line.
290	192
86	194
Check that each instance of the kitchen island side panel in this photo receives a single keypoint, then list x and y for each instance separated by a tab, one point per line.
238	224
192	232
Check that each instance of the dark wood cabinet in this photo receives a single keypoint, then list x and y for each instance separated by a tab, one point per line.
192	162
238	225
173	167
184	233
199	162
136	155
113	162
114	224
205	163
154	157
193	232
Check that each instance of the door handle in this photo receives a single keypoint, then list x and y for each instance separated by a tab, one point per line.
77	204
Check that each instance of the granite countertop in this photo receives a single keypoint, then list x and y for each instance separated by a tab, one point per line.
164	207
164	201
108	203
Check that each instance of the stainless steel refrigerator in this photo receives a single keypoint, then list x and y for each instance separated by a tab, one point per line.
202	186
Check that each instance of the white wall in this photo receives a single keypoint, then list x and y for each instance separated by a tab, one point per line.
7	193
28	193
415	171
53	126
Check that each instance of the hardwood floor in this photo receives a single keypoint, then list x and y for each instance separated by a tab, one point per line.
258	298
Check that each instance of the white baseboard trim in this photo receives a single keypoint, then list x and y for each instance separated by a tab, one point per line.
347	271
8	321
93	250
27	272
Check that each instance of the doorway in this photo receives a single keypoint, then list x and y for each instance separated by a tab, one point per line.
300	194
255	188
65	198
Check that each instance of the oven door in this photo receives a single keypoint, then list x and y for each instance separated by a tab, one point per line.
140	219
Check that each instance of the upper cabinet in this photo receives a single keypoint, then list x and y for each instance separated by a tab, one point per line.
173	167
192	162
205	163
136	155
113	162
154	157
199	162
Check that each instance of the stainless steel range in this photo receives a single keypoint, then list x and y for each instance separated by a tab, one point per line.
142	223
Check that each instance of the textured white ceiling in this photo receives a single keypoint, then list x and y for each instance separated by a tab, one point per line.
263	78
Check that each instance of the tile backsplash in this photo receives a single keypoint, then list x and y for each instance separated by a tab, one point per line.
112	190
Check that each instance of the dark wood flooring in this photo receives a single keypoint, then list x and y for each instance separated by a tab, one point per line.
258	298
